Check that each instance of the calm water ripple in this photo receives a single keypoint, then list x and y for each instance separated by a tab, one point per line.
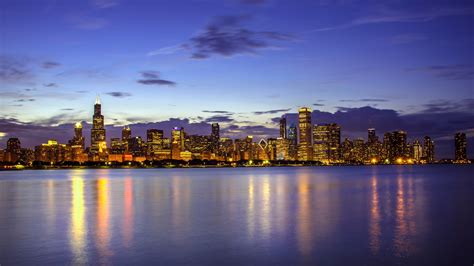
384	215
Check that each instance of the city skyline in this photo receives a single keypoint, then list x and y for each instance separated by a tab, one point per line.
305	142
388	66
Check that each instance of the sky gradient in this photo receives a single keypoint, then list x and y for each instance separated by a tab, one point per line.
393	65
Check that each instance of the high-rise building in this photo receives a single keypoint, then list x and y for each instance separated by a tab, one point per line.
460	143
13	150
326	143
373	147
358	150
282	149
215	136
53	152
428	150
293	143
78	139
283	133
154	142
177	143
126	136
395	146
417	151
305	149
98	143
346	150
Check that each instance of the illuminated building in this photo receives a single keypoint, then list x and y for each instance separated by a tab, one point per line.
244	149
428	150
126	135
2	155
177	143
373	147
78	139
460	144
77	144
282	149
358	150
293	143
136	146
326	143
305	150
226	149
116	146
154	142
262	152
271	148
198	145
417	151
13	150
283	127
98	144
346	150
395	146
215	137
53	152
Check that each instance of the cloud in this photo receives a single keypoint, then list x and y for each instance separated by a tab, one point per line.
88	22
153	78
365	100
449	72
67	109
391	13
15	69
50	64
25	100
318	104
102	4
119	94
50	85
253	2
271	111
226	36
407	38
219	119
217	112
168	50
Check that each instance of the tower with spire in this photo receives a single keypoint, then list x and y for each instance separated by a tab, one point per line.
98	144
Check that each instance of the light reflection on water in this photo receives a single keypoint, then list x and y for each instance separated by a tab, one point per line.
206	216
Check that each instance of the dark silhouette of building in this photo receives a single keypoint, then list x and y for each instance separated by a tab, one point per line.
13	150
428	150
283	133
215	136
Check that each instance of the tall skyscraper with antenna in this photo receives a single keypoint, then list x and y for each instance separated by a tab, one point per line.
98	143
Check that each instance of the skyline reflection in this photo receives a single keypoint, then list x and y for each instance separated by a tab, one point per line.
78	230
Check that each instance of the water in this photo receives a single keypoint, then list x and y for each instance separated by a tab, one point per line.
386	215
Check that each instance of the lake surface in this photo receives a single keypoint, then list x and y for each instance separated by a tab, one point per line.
374	215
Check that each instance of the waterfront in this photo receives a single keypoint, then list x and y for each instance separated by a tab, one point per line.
373	215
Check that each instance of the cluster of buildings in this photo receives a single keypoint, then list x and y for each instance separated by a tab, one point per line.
307	142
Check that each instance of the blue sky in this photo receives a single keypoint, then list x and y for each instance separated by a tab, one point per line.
155	60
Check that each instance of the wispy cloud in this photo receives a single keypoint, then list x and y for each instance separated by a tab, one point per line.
15	68
102	4
168	50
364	100
50	85
217	112
449	72
390	14
275	111
88	22
406	38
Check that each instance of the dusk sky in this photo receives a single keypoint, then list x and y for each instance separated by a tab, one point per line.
394	65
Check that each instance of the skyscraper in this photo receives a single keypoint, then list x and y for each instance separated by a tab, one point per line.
460	143
177	143
305	149
215	137
395	146
326	143
417	151
98	144
428	150
13	150
154	141
78	139
293	143
283	133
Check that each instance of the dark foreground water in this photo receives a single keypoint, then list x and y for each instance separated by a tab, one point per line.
386	215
